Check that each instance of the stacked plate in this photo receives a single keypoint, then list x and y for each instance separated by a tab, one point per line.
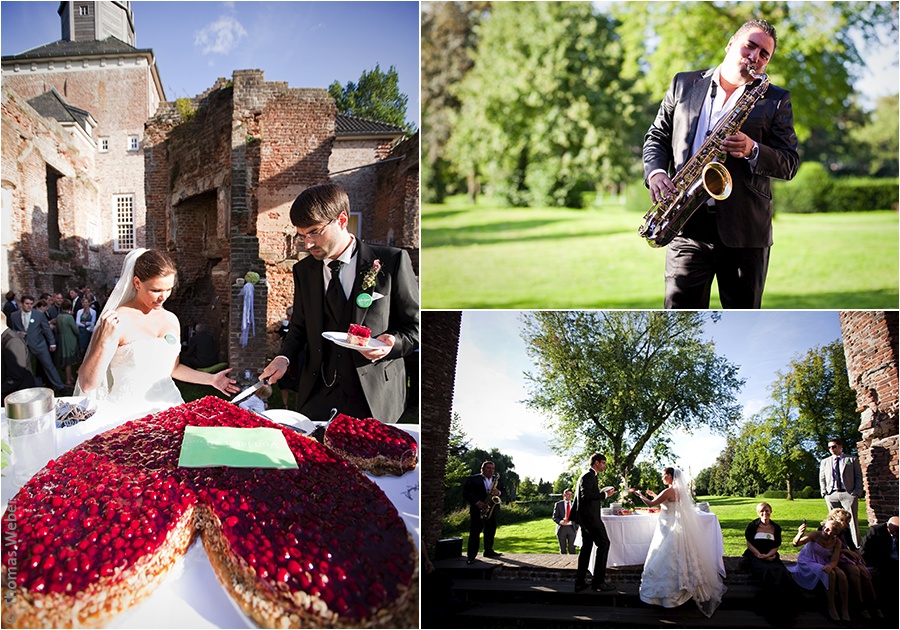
606	512
703	507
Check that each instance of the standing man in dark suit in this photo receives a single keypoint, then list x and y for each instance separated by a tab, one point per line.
593	532
342	282
879	550
565	528
841	482
478	491
33	326
730	239
16	372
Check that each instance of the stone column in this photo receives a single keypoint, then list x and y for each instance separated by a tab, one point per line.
870	346
440	345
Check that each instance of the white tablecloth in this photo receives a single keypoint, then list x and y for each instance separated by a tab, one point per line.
191	596
630	537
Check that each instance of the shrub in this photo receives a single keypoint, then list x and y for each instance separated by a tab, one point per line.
774	494
807	493
814	190
808	192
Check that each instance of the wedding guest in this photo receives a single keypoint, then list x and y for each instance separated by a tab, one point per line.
852	564
566	530
16	368
34	328
818	564
879	549
85	319
840	482
778	593
257	402
67	338
10	306
201	351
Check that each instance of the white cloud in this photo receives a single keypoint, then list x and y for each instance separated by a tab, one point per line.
220	37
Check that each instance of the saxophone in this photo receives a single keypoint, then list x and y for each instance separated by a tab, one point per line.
704	176
492	500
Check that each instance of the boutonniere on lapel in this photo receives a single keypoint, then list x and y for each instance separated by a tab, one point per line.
364	300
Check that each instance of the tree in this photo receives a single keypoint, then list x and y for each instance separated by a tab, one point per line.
879	138
618	382
448	44
543	104
816	57
826	404
376	97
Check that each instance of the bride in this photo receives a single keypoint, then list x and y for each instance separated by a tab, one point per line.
133	354
679	565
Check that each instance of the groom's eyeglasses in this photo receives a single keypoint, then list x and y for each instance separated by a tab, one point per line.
318	233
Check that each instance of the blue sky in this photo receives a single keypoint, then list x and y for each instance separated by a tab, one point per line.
307	44
492	359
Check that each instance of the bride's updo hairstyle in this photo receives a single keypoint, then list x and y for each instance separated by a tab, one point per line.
153	264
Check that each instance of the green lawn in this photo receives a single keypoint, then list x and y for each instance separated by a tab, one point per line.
539	535
489	256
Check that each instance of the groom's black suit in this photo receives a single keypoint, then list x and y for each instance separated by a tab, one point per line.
593	532
743	221
380	385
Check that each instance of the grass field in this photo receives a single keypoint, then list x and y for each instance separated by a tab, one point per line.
734	513
489	256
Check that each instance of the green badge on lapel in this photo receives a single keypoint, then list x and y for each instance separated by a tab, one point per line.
364	300
170	339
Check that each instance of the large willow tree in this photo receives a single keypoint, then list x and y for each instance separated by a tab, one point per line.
619	382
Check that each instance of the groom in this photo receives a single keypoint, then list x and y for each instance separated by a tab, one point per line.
343	282
593	532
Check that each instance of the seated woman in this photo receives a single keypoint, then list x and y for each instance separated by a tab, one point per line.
853	565
133	354
778	593
817	564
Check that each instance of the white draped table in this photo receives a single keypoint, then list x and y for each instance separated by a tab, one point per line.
191	596
630	537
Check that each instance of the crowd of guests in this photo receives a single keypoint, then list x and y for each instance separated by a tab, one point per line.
45	338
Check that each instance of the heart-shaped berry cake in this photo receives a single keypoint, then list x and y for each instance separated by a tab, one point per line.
371	445
97	530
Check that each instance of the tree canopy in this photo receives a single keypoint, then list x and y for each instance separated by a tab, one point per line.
375	97
619	382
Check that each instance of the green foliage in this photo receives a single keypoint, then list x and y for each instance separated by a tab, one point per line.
618	382
880	138
186	108
775	494
539	104
376	97
808	493
815	190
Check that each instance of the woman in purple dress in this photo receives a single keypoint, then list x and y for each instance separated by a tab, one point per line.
818	564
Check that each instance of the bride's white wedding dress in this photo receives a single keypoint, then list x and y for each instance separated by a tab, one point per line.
678	565
141	377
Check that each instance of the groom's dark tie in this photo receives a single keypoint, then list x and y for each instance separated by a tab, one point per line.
334	295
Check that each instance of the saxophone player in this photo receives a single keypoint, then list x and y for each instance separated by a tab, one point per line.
728	239
482	492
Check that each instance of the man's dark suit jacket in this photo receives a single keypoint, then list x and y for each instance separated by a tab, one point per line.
39	335
397	313
201	351
745	218
876	546
587	500
16	364
474	491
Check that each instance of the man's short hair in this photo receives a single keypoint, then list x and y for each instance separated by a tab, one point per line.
597	457
837	441
319	204
485	463
762	25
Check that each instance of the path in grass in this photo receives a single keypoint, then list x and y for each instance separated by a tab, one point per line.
485	256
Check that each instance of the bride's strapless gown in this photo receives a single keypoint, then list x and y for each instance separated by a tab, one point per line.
674	572
141	377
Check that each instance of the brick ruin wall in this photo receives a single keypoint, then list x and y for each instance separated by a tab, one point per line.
870	346
395	214
31	143
117	95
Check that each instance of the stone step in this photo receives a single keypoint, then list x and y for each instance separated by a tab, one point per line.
518	615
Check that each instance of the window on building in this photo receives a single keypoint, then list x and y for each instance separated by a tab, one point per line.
354	225
124	222
83	9
104	145
53	232
132	143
